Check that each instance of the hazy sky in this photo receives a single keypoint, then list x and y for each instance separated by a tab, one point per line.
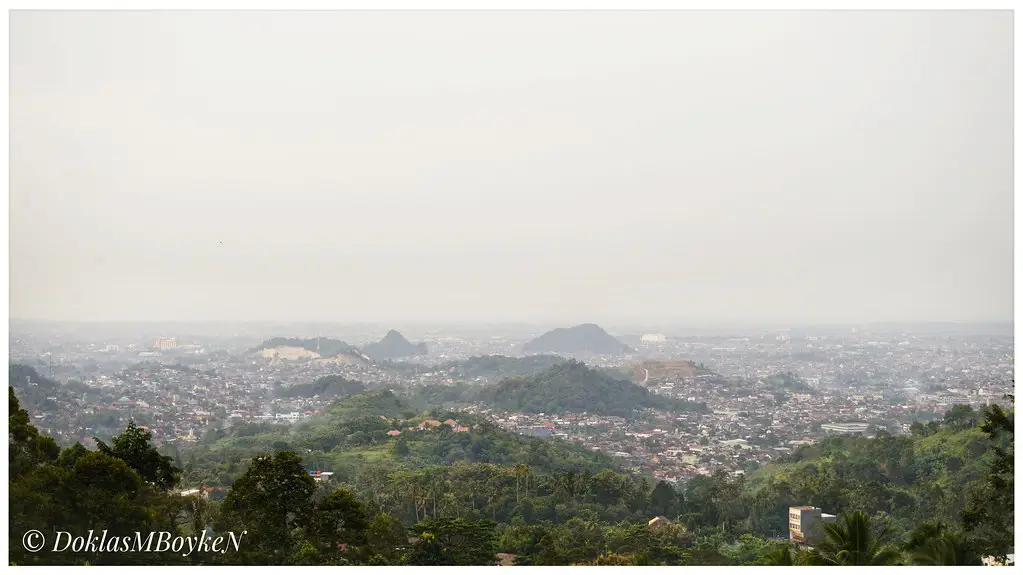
556	167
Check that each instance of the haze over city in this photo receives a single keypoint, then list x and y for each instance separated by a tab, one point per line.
617	166
511	288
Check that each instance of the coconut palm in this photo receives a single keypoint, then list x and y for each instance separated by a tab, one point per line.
936	544
852	542
781	555
924	534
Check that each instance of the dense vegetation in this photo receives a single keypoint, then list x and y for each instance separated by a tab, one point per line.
438	496
33	388
574	387
480	369
121	488
352	434
424	397
497	367
906	480
326	386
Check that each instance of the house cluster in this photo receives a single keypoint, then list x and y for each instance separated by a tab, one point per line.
846	382
430	424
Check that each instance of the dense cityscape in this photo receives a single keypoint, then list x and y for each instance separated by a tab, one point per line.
488	287
766	393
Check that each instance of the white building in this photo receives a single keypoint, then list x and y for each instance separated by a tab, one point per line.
954	400
844	428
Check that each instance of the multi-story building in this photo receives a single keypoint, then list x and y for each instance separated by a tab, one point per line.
843	428
537	431
806	524
166	343
951	399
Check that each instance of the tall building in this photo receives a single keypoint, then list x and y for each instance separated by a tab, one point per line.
806	524
166	343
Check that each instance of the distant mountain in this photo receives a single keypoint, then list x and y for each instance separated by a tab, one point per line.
393	346
585	338
574	387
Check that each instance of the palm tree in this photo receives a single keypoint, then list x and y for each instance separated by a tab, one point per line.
520	474
935	544
924	534
781	555
852	542
526	476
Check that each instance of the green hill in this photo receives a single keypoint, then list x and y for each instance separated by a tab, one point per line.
366	404
424	397
326	386
911	479
574	387
485	368
33	389
497	367
485	495
353	432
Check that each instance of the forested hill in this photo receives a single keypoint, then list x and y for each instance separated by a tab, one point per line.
32	388
497	367
480	493
957	472
354	432
574	387
326	386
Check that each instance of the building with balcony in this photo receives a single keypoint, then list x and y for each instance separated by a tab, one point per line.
806	524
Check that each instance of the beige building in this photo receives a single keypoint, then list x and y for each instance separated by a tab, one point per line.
806	524
166	343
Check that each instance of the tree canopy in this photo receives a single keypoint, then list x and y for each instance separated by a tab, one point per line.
482	496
